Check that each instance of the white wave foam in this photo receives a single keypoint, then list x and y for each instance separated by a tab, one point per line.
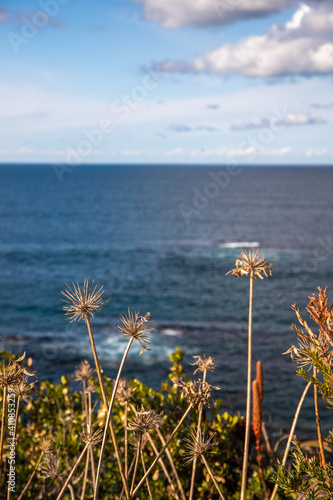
172	332
240	244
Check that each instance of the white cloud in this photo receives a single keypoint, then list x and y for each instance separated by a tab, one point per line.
302	46
180	127
173	14
22	17
288	120
315	152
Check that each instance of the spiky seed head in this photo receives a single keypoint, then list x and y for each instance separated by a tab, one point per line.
137	327
251	262
13	373
124	392
144	420
92	438
46	445
197	393
197	444
90	388
80	303
22	388
51	466
203	364
84	371
138	443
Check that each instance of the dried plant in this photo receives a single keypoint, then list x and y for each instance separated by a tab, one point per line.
124	395
84	371
314	350
46	448
81	303
134	327
51	466
203	364
144	420
10	375
137	327
249	263
124	392
90	439
197	392
197	446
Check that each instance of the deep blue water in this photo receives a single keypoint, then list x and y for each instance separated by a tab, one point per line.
161	239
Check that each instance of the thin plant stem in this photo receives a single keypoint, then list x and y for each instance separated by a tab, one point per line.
320	436
147	479
3	424
210	472
174	470
9	491
129	472
248	393
71	489
66	483
163	449
32	475
91	451
136	463
194	465
291	434
267	443
165	470
108	421
86	468
126	440
84	396
113	433
93	474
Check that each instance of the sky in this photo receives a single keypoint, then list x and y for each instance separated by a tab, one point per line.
166	82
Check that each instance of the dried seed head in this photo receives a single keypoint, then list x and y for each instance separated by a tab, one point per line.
197	445
46	445
83	302
251	262
13	373
84	371
51	466
92	438
124	392
203	364
138	441
137	327
22	388
90	388
197	393
144	420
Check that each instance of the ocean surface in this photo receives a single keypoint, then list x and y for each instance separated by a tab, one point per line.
161	239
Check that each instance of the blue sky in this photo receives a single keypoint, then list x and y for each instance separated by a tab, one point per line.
156	81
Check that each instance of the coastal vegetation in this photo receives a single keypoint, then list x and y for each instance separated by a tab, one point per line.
90	436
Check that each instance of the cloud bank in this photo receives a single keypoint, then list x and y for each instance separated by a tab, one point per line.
175	14
302	46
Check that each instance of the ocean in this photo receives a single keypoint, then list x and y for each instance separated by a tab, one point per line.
161	239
